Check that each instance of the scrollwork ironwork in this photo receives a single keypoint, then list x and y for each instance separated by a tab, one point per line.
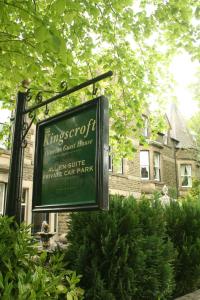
94	89
37	94
24	143
29	95
64	86
25	126
39	97
46	112
32	114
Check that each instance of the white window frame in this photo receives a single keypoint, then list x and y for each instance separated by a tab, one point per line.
145	165
120	166
156	166
184	169
2	200
24	201
110	161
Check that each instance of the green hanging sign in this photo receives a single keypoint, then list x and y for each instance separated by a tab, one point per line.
71	161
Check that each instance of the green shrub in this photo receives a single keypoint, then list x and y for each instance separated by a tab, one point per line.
194	192
124	253
183	228
25	275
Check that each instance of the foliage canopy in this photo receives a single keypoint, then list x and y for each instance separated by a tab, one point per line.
47	42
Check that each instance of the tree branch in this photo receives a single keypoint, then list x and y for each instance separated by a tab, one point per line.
23	9
17	40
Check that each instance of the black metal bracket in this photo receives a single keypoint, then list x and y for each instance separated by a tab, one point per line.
94	89
26	130
67	92
13	204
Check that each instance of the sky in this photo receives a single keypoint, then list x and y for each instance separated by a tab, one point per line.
184	71
4	115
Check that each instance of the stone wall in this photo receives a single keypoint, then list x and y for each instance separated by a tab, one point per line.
169	166
127	183
29	155
62	223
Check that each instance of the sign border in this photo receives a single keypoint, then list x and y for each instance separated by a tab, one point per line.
101	159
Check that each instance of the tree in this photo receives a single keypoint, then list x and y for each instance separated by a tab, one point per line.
194	123
47	42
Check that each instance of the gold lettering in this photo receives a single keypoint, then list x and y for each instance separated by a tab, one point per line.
82	130
58	138
76	130
71	132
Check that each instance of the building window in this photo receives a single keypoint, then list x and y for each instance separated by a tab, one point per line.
144	164
165	139
24	201
146	125
119	167
2	197
37	219
110	161
156	166
186	175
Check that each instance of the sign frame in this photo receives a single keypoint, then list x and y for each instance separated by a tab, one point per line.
101	159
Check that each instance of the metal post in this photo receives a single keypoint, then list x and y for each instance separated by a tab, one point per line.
13	202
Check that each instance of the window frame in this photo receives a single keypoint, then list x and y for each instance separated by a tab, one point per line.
120	166
155	167
189	176
24	203
2	207
110	160
145	166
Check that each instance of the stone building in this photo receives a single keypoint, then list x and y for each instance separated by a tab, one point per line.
171	159
27	185
26	207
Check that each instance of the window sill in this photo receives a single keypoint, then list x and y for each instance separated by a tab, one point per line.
185	187
118	174
156	144
152	181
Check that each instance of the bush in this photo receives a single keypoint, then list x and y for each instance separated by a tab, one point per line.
124	253
183	228
25	275
194	192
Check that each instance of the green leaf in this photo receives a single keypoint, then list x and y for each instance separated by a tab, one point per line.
41	33
61	289
43	257
59	6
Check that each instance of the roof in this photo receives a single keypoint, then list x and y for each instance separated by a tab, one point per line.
179	130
